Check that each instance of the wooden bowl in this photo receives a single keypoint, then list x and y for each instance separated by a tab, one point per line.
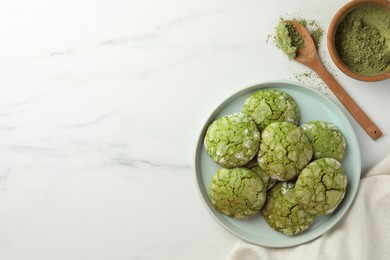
339	16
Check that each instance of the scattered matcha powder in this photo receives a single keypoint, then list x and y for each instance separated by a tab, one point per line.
315	29
269	37
363	40
310	78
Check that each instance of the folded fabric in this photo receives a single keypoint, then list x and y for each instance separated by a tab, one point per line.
363	232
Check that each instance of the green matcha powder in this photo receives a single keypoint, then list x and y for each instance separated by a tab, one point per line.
315	29
288	39
363	40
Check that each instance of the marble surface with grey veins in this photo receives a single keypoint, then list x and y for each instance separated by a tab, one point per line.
101	105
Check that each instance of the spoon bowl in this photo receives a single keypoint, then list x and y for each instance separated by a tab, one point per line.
306	55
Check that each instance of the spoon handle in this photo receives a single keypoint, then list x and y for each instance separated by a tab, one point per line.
365	122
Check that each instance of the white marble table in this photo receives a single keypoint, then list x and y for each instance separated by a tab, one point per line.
101	105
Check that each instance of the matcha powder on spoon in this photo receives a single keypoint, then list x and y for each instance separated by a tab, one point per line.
288	39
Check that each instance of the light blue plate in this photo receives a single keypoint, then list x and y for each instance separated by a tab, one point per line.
313	105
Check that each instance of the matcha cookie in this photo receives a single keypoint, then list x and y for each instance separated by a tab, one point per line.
284	151
238	193
283	213
271	105
327	140
232	140
321	186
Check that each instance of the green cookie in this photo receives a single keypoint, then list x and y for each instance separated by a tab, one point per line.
232	140
321	186
238	193
284	151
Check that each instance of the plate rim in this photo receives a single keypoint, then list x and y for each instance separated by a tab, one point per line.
223	103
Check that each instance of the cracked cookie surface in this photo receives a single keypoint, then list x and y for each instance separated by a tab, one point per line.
284	151
266	106
321	186
232	140
326	138
283	213
238	193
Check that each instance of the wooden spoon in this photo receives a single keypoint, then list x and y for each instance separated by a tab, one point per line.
308	56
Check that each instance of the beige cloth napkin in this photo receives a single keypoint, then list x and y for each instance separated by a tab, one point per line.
363	232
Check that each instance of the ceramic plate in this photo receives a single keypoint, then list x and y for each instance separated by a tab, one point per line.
313	105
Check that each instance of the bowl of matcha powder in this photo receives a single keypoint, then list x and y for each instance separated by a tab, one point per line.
359	39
